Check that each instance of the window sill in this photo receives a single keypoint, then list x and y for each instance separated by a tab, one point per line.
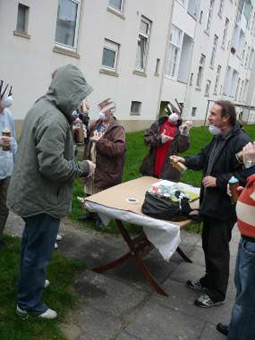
211	67
21	34
135	114
109	72
198	88
207	33
193	16
206	95
140	73
156	74
66	51
116	12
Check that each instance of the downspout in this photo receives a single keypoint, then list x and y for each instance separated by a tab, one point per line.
165	57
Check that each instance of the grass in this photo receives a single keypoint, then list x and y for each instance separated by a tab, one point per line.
136	150
60	296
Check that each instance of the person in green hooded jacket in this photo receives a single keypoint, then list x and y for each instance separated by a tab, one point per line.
40	189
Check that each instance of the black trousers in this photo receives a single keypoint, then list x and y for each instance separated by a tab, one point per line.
216	236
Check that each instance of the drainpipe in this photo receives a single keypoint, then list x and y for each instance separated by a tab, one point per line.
165	57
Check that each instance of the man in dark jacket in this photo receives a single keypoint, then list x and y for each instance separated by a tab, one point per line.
218	163
41	185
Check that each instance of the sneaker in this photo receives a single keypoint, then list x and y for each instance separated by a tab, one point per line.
59	237
55	245
46	284
204	301
49	314
223	329
196	285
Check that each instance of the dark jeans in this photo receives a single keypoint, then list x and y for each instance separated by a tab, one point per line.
4	211
215	241
242	325
38	241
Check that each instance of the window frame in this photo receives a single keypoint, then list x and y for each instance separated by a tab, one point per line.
217	80
209	16
200	66
147	37
171	45
208	85
225	32
117	9
138	113
77	28
107	44
214	50
220	11
27	9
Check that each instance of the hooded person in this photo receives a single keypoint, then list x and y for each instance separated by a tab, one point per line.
106	147
40	189
8	151
166	137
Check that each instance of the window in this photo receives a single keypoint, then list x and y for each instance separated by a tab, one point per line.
244	51
200	71
22	19
116	4
193	111
247	57
217	79
234	82
68	22
174	51
207	88
110	54
193	7
240	47
251	58
221	8
224	37
185	59
143	44
209	16
214	48
237	88
201	17
182	2
227	83
135	108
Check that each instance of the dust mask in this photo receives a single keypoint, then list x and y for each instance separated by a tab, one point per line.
214	130
6	102
173	117
101	116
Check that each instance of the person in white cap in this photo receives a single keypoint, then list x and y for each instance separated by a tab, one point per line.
105	146
8	151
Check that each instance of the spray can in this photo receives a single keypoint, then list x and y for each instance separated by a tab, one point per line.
233	185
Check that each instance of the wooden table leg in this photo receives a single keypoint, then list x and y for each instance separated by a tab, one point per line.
183	255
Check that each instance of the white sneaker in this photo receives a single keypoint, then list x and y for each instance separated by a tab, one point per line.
47	283
55	245
59	237
50	314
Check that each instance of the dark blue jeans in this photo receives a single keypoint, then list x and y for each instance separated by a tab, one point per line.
242	324
38	241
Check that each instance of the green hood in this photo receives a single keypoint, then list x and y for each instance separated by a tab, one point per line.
67	89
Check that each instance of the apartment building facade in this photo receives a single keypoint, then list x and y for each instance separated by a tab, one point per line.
120	46
140	53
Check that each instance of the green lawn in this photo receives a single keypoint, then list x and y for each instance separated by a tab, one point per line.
136	150
59	296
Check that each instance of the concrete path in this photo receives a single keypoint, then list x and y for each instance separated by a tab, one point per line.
120	305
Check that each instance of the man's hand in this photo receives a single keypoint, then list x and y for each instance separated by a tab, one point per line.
5	141
88	167
96	136
249	153
239	189
209	181
175	158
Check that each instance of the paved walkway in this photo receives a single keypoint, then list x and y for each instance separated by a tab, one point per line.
120	305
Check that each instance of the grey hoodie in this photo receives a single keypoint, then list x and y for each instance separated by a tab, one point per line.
45	167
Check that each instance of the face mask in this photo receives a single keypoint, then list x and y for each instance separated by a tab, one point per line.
214	130
173	117
101	115
6	102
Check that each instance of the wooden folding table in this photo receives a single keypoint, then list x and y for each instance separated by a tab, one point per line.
123	203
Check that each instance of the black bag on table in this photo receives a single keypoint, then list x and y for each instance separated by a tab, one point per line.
160	208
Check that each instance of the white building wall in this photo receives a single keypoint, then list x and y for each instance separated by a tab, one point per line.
28	63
